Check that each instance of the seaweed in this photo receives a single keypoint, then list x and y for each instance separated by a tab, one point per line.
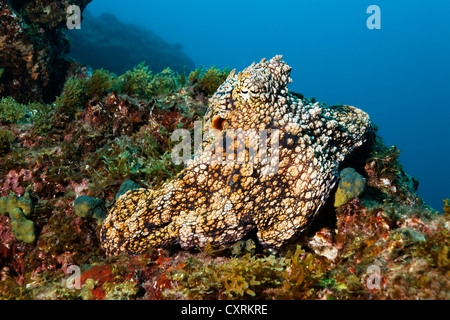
6	140
41	116
137	81
207	82
138	159
11	111
73	97
436	250
164	83
100	83
446	208
141	83
246	276
301	275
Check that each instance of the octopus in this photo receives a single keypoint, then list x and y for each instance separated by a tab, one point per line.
228	189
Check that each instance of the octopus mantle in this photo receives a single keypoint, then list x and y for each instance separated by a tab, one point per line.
219	201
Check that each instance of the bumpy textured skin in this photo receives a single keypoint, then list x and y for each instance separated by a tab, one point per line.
216	202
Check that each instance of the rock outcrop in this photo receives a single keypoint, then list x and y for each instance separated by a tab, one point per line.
105	42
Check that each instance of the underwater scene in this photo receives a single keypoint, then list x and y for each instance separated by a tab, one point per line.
247	150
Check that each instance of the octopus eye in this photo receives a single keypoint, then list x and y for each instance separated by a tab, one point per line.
245	93
218	123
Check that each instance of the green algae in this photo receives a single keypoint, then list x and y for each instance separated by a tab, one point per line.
11	111
100	83
141	82
41	116
73	97
126	290
137	81
164	83
6	140
138	159
207	81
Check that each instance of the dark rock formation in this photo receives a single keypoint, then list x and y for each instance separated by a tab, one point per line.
105	42
33	43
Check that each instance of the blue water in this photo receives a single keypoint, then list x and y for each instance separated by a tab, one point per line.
399	74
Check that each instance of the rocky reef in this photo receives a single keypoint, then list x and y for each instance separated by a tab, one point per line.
382	243
33	44
105	42
64	162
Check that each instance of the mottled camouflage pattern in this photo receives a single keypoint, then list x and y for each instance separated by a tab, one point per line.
218	202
